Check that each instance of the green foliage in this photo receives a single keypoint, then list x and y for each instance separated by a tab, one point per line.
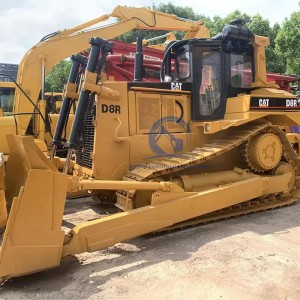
288	43
218	23
58	76
180	11
275	61
260	26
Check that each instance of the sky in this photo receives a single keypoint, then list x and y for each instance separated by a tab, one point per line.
24	22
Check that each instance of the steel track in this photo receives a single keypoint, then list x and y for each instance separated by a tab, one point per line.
234	138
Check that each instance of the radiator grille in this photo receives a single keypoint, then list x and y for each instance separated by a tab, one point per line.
86	137
148	112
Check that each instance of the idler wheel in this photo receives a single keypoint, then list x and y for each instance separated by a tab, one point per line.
264	152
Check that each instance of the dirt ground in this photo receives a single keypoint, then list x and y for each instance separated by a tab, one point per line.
250	257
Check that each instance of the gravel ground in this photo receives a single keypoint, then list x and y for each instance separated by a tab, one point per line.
250	257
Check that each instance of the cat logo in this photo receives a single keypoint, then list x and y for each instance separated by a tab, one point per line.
263	102
176	86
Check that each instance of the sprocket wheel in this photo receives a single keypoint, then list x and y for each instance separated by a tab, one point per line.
263	152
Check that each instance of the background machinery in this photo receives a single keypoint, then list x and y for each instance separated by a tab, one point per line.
7	87
202	144
39	60
42	57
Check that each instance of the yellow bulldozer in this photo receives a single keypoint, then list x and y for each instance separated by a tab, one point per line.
203	144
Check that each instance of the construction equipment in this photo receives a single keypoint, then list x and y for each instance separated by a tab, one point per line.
119	66
203	144
285	82
8	72
39	60
62	44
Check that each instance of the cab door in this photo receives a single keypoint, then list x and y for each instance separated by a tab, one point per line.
209	96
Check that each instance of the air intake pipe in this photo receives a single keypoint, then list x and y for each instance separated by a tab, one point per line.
235	32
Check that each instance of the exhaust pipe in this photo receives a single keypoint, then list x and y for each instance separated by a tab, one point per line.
138	60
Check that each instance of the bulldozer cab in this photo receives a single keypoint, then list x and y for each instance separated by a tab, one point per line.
221	68
217	68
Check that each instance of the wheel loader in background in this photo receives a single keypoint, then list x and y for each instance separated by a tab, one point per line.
203	144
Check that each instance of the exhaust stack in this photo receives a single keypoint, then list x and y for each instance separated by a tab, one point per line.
138	60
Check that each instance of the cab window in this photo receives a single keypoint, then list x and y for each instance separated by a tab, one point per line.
241	70
183	65
210	87
7	100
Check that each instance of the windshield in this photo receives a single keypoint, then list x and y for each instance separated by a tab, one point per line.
183	65
7	100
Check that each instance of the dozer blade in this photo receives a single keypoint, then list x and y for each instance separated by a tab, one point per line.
3	209
36	192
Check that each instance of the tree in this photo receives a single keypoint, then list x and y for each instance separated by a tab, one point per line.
58	76
180	11
261	26
218	23
275	62
288	43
